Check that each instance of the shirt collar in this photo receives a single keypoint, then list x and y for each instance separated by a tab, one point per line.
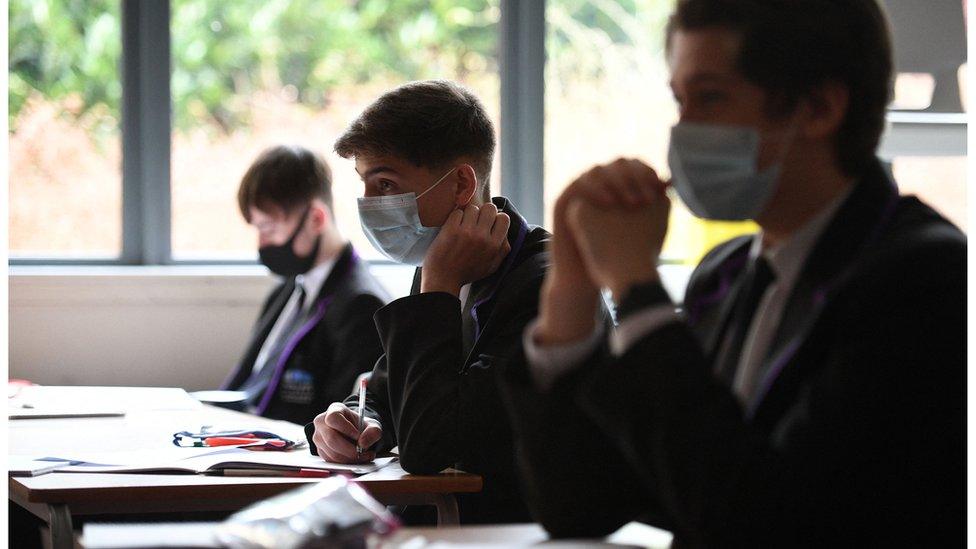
786	258
315	277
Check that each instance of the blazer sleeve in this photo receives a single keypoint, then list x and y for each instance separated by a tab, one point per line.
876	438
571	470
439	405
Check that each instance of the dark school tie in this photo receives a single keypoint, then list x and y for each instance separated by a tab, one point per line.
759	277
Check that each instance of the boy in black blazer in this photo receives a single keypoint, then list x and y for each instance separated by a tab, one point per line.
315	333
424	152
811	392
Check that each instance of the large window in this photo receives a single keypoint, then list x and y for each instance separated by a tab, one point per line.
255	73
65	157
606	76
586	78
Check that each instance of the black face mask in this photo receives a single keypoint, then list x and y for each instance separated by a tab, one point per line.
282	260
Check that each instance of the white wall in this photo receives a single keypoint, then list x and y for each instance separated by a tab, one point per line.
149	326
166	326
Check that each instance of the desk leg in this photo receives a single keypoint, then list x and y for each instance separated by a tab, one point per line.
446	505
447	509
62	532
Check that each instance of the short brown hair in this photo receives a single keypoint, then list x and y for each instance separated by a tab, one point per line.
285	177
790	47
429	123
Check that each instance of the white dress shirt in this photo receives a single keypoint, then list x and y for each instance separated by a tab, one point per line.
310	282
786	259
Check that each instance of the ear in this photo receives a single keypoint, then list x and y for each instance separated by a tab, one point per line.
826	108
320	216
467	185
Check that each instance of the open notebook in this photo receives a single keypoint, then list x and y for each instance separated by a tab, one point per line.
238	460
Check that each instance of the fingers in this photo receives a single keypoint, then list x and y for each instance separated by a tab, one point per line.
454	219
326	445
500	255
499	228
370	435
577	214
343	420
624	183
646	181
596	186
486	218
336	438
339	448
469	218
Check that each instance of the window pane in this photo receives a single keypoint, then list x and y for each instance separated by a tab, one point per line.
251	74
607	96
939	181
65	156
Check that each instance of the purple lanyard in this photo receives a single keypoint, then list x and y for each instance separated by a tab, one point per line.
320	309
323	304
509	261
286	353
820	298
727	271
733	266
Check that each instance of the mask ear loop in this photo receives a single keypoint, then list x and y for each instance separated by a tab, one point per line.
443	177
301	223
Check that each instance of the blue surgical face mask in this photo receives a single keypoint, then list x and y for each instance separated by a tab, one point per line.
715	170
392	225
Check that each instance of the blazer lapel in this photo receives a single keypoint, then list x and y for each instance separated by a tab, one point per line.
709	310
315	313
858	221
340	271
484	292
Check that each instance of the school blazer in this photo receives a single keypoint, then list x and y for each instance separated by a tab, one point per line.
336	343
437	400
856	438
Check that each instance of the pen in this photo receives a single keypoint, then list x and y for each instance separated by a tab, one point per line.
300	473
362	408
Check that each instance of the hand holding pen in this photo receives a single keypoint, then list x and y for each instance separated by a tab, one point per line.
362	414
337	435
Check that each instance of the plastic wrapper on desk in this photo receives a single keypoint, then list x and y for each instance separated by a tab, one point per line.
334	513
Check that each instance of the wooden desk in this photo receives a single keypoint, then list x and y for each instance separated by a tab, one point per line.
56	497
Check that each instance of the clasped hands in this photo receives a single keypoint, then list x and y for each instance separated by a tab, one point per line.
608	229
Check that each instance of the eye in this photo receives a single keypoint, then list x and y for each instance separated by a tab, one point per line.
710	97
385	185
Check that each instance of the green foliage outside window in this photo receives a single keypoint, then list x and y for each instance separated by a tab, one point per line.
223	50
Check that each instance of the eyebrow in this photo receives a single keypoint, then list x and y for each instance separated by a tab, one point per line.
706	78
376	170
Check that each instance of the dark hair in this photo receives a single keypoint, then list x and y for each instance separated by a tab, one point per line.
430	123
790	47
286	177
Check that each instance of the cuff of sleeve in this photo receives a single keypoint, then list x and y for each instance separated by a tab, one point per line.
640	323
640	297
549	363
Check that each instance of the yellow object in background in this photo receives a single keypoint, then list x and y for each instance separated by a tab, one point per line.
689	238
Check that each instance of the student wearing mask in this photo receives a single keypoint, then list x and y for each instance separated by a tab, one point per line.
315	333
424	152
811	391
